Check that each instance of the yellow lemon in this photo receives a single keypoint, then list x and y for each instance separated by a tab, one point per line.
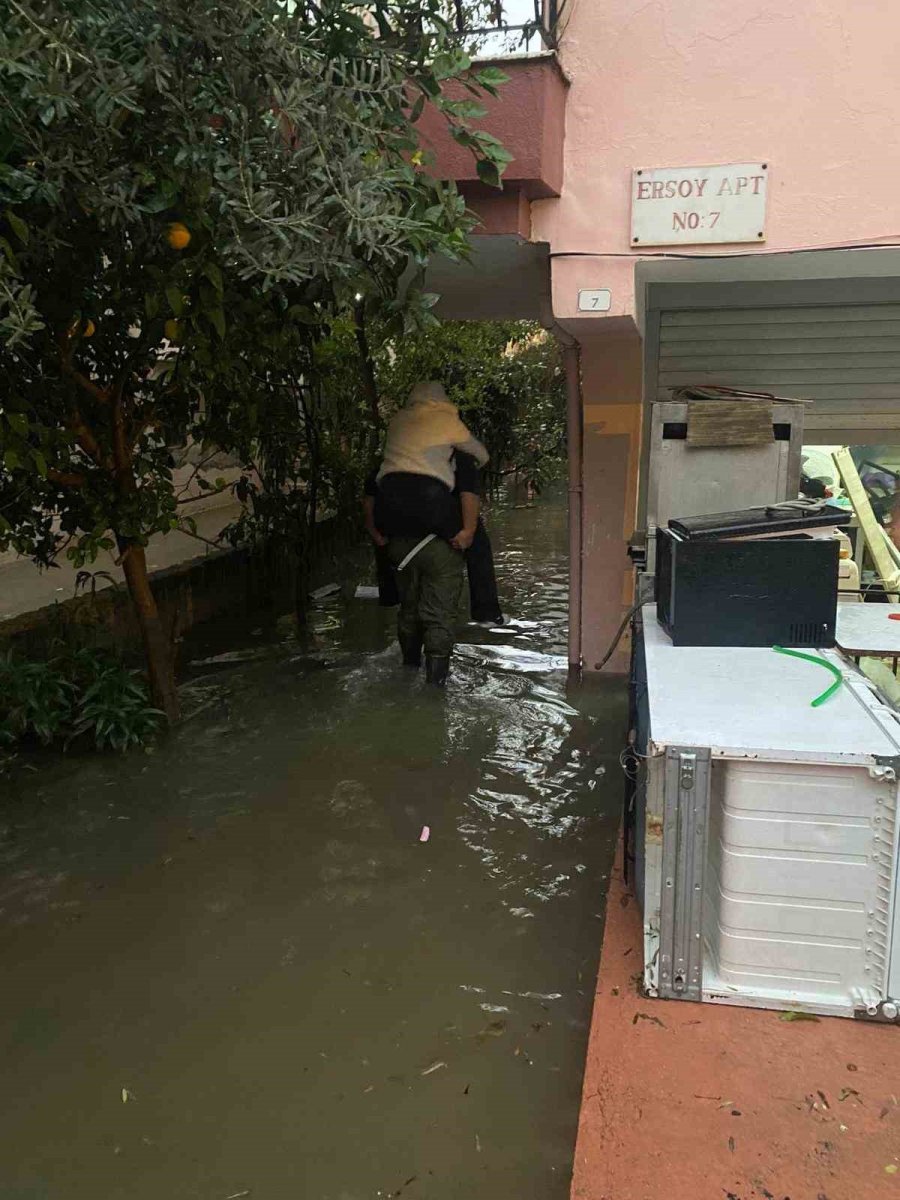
173	330
178	235
89	328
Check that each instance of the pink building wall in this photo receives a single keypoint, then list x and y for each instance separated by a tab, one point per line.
811	88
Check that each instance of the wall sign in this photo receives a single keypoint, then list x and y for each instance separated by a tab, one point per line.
594	300
679	206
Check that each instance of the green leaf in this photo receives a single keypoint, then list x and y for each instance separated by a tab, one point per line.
491	77
429	86
216	318
17	422
19	228
12	460
463	136
175	297
488	172
416	110
40	462
9	254
468	110
214	275
156	204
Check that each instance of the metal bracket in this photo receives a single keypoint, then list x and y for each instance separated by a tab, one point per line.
886	1012
685	824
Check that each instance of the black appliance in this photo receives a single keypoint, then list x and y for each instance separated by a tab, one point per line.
751	578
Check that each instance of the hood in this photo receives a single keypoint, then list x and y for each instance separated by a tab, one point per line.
430	392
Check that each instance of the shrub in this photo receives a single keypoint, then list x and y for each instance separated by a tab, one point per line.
73	694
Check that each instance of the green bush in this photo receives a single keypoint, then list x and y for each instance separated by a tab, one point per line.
74	694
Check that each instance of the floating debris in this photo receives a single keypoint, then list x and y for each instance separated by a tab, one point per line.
536	995
425	834
435	1066
321	593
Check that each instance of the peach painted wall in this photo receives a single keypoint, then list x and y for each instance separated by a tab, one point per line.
811	87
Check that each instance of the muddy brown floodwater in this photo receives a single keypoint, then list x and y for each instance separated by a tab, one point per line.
230	968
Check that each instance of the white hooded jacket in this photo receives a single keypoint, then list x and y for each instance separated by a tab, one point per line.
422	437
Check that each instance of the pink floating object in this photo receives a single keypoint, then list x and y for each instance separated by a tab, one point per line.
425	834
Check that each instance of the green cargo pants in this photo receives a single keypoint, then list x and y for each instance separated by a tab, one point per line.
430	588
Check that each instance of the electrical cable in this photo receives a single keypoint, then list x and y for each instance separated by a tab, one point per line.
819	662
611	651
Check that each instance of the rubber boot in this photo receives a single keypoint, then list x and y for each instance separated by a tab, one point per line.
437	669
411	649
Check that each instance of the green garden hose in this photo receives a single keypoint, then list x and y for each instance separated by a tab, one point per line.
820	662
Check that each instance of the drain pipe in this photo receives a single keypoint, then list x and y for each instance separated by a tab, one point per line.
571	352
572	363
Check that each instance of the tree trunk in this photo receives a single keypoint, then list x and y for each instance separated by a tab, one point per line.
158	652
157	647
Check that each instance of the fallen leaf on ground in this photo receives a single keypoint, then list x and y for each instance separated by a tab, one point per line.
731	1144
727	1104
844	1093
793	1015
891	1169
640	1016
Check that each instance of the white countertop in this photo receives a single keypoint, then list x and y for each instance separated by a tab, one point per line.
868	629
748	702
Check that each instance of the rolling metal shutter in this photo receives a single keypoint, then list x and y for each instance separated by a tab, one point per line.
845	358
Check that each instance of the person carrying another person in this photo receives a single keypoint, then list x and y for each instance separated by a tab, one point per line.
428	519
484	599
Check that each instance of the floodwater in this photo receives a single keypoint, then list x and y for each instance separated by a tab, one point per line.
231	968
